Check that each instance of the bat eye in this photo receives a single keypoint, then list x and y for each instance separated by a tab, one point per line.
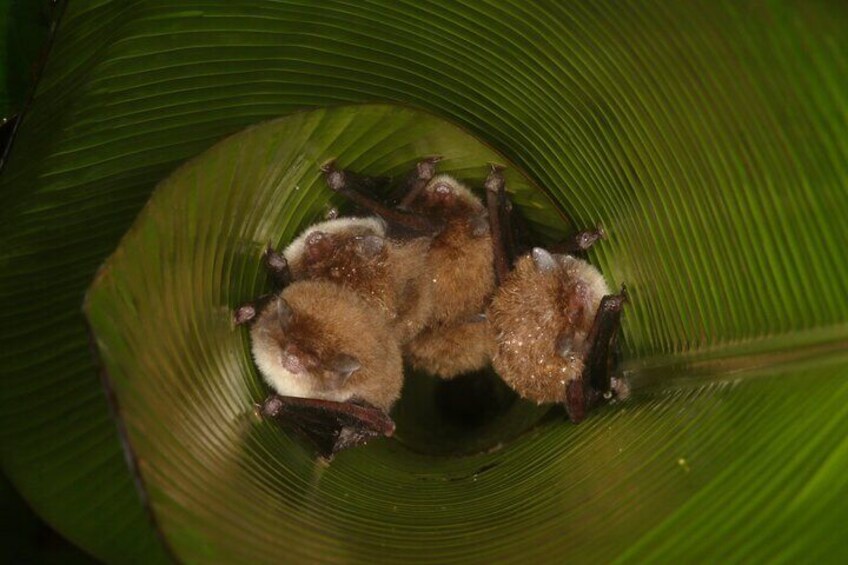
544	261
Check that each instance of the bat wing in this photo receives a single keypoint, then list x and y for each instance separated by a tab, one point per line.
329	426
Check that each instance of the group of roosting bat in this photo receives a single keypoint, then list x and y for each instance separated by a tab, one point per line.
434	281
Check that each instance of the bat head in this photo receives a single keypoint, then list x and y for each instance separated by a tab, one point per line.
447	197
321	340
324	243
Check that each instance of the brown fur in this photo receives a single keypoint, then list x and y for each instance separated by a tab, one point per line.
394	278
461	270
413	296
328	320
323	249
540	320
449	351
460	260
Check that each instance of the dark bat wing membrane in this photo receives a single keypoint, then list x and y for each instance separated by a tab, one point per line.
329	426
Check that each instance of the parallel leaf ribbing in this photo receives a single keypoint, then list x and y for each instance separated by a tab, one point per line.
710	139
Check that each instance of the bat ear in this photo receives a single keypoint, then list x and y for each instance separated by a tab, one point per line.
479	226
284	313
316	245
344	366
370	246
544	261
564	345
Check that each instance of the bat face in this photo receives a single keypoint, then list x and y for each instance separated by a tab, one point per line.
449	199
317	247
319	340
541	317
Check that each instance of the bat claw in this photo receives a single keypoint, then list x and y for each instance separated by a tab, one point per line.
586	239
602	233
328	166
257	410
613	302
335	177
495	181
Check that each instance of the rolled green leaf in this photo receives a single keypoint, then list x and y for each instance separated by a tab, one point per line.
707	139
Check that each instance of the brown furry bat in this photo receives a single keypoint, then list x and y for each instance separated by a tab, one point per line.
555	324
332	359
457	339
319	340
460	256
355	253
459	264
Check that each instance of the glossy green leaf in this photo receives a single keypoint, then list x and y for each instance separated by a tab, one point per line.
710	141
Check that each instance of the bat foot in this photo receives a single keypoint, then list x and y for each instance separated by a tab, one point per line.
333	176
426	169
615	302
244	314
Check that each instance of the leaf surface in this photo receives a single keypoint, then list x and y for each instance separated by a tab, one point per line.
710	141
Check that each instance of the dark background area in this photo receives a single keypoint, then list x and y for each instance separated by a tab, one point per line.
24	29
